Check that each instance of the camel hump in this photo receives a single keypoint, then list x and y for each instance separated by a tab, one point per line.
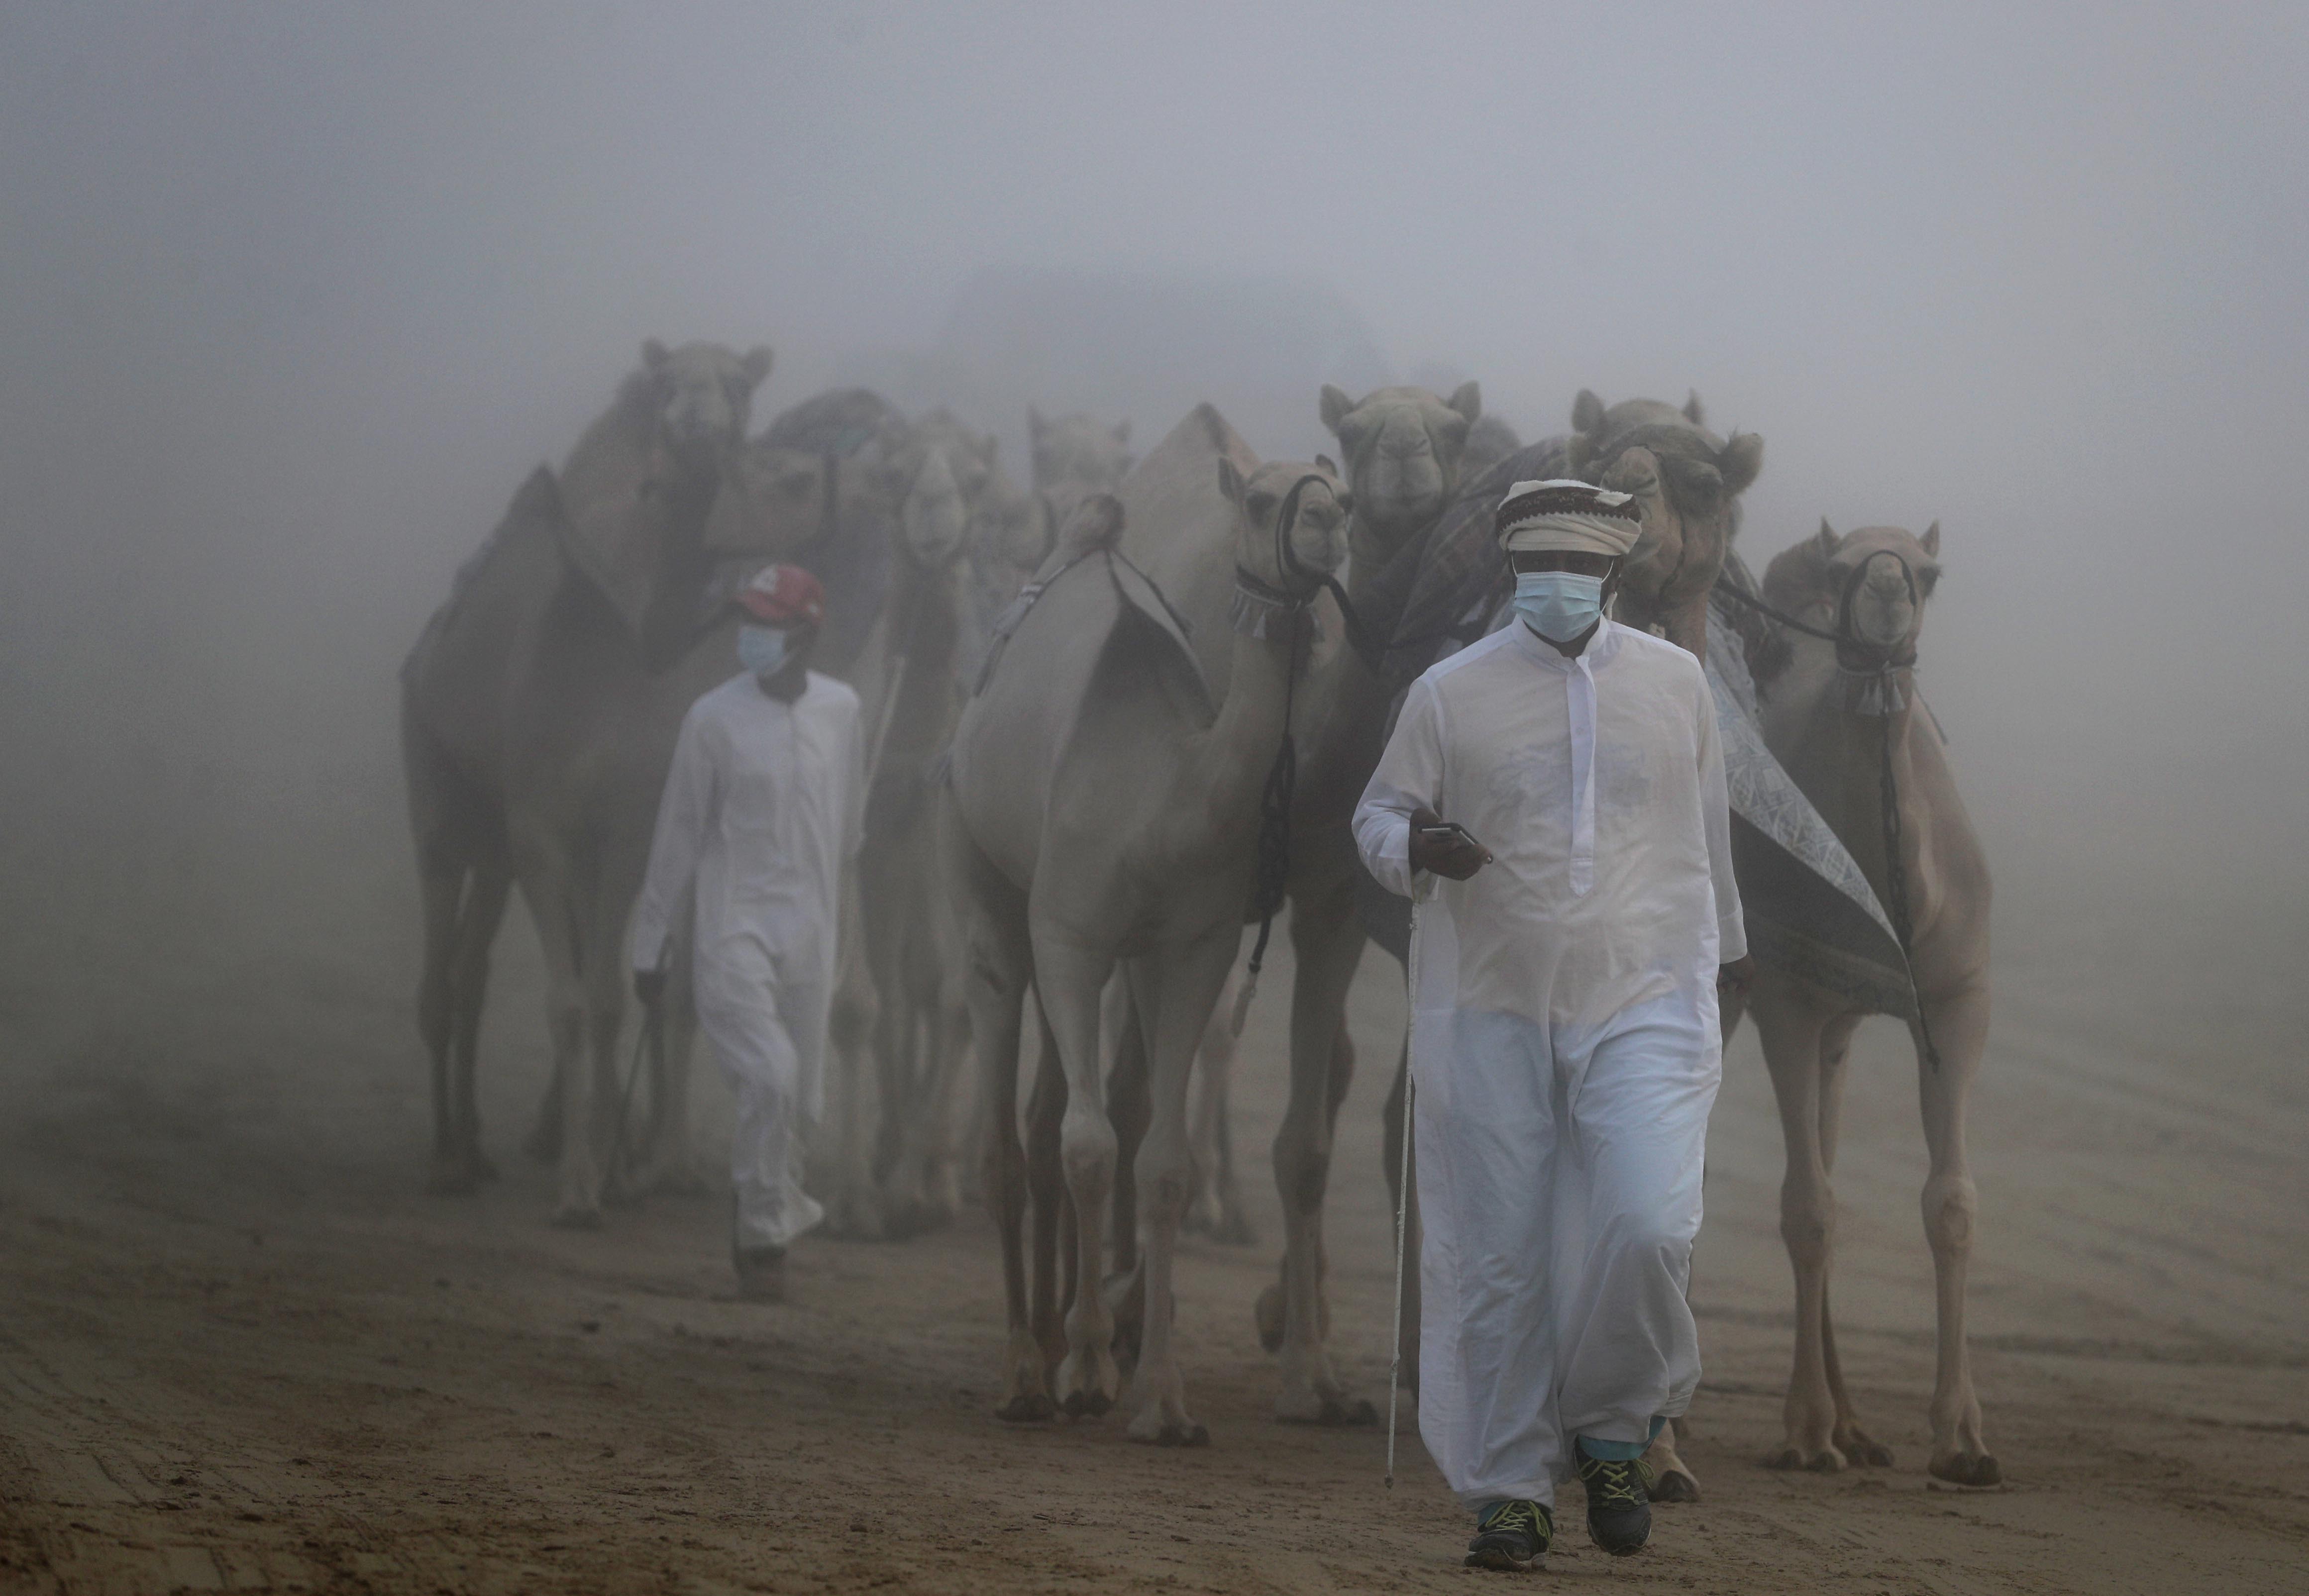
1096	524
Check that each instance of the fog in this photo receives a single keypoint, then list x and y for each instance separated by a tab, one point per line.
291	299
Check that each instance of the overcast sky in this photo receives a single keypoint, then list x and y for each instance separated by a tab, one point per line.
291	296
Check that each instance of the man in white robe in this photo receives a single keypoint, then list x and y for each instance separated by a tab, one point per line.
1575	914
760	810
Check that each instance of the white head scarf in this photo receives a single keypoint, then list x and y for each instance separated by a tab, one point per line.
1568	514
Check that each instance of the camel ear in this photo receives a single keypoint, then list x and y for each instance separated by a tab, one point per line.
1328	463
1122	433
653	353
1693	410
756	365
1467	399
1931	539
1336	407
1231	482
1826	539
1741	460
1587	413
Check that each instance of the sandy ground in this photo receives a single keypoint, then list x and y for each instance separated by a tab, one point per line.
238	1350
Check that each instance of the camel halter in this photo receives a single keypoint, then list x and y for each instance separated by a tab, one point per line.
1258	602
1875	693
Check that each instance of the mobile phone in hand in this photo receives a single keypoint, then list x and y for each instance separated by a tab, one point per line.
1449	831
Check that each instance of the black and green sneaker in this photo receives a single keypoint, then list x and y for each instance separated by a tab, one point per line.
1619	1502
1510	1537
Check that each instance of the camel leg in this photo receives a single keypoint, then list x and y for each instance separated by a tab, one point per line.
1959	1026
672	1166
550	884
1791	1031
1054	1228
1217	1210
1070	977
1174	991
925	1157
1130	1108
1857	1445
998	968
1327	940
443	892
477	935
855	1211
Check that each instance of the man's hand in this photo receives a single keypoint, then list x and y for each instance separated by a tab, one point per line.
1456	857
1734	980
649	986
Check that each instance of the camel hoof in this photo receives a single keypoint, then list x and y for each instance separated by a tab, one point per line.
1189	1433
1975	1472
1269	1315
1032	1407
1865	1452
1088	1404
577	1219
1673	1484
1827	1460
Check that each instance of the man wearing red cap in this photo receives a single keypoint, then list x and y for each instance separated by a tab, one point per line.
760	810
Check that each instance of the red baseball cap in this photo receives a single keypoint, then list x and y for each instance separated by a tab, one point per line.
779	594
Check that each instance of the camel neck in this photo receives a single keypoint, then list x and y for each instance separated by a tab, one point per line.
1240	743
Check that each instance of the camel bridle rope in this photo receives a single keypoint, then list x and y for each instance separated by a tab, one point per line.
1856	656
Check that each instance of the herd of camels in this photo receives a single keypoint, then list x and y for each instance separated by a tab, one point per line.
1078	694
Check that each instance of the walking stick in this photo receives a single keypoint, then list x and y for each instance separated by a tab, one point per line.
1402	1218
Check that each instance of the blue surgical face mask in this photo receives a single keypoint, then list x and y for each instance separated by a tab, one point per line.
1560	605
761	648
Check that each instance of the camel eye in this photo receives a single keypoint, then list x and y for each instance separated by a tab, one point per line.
1260	504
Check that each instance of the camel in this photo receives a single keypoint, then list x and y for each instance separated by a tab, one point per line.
910	942
539	711
915	497
1844	718
1489	441
1339	725
1103	809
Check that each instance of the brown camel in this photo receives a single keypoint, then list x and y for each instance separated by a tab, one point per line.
538	715
1845	720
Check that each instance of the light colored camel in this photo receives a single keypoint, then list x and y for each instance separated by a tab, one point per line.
1839	717
1402	468
945	491
911	943
1104	810
538	715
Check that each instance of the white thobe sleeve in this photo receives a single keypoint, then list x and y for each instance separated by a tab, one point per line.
1715	818
1410	776
682	814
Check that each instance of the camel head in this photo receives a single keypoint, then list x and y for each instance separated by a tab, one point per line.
951	488
1016	528
1871	585
1076	452
1292	560
1403	447
1688	482
702	396
775	500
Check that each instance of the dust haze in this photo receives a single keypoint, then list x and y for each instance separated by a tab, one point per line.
291	299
